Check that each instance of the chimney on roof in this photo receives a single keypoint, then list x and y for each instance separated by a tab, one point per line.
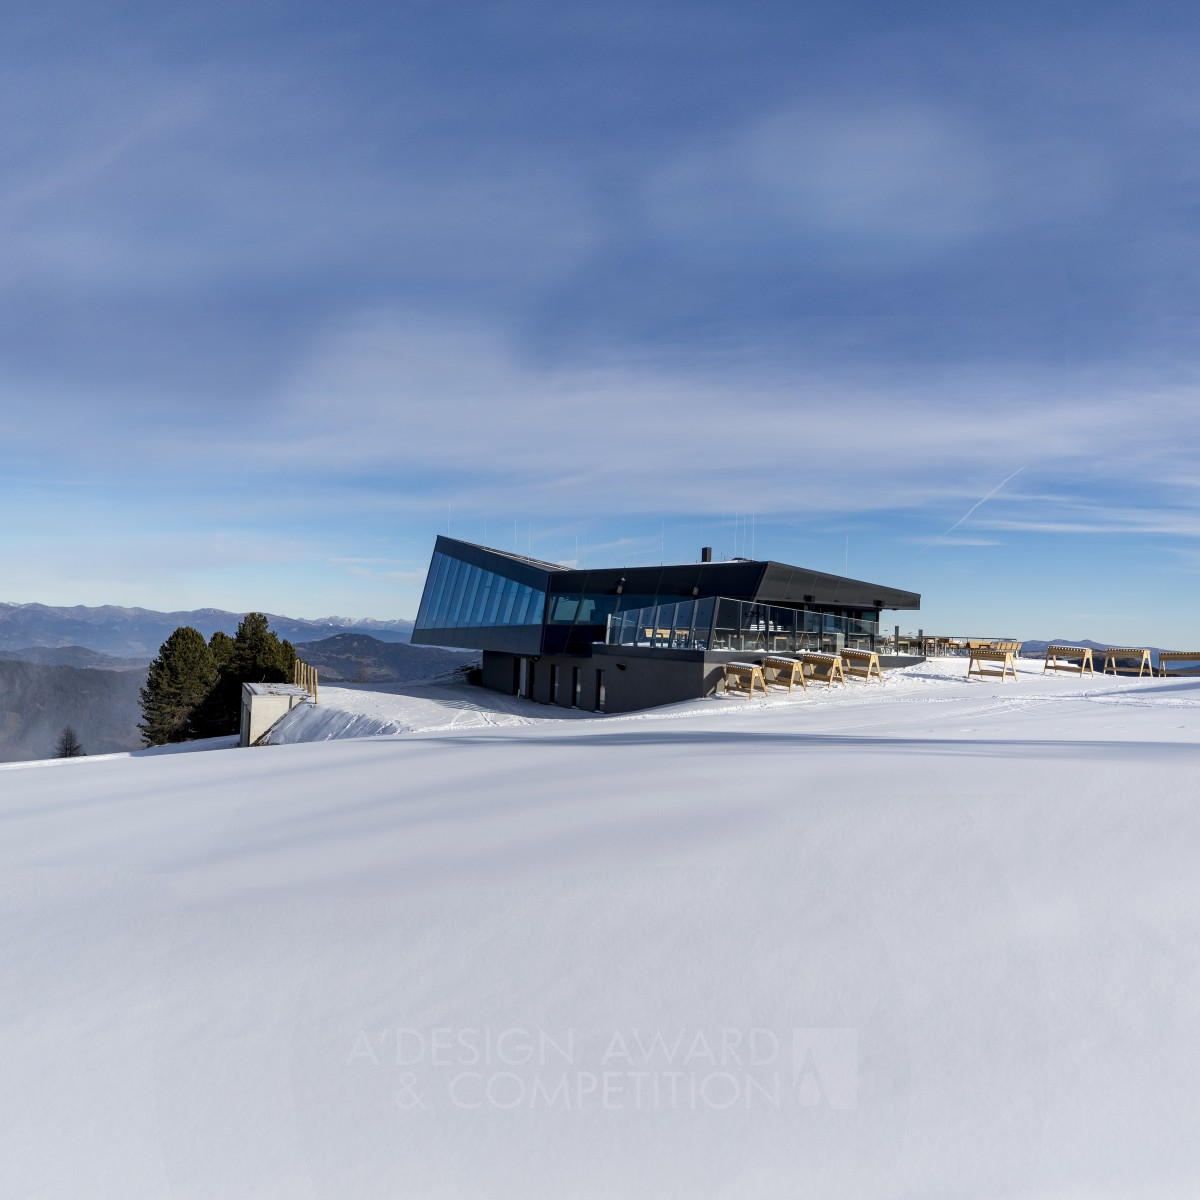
705	554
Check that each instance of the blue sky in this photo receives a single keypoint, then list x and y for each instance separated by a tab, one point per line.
286	289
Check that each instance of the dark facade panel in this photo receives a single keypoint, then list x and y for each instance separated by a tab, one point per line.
738	579
787	585
633	679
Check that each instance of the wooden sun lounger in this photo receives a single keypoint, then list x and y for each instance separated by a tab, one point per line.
781	670
987	653
743	676
823	666
1114	656
861	663
1054	653
1191	656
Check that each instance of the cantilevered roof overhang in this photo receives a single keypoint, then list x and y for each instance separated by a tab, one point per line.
766	582
742	579
797	586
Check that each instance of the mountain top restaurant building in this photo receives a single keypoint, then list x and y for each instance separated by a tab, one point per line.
626	638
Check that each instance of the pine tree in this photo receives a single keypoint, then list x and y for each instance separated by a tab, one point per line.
69	745
255	655
259	654
178	684
222	647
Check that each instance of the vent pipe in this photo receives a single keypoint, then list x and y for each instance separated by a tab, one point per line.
705	554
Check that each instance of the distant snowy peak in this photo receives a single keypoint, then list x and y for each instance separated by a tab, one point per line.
358	622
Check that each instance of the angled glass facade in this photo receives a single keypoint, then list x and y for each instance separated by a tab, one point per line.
482	599
460	595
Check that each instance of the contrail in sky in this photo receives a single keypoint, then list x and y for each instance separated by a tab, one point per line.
973	508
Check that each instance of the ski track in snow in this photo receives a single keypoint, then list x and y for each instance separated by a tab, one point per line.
439	707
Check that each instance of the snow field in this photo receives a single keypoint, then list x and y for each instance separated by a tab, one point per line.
932	938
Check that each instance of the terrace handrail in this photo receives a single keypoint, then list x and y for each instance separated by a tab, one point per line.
305	676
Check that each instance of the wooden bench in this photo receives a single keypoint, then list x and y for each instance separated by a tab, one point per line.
1192	656
985	652
1054	653
861	663
1114	656
781	670
743	676
823	666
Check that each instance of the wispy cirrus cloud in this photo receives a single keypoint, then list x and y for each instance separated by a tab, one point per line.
342	282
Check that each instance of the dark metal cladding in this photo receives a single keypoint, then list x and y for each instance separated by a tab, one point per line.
791	586
738	579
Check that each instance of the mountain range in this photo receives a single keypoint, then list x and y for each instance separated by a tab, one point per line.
139	632
76	656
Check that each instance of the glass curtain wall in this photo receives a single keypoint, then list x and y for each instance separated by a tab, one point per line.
719	623
461	596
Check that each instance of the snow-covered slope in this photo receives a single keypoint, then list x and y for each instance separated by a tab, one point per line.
930	939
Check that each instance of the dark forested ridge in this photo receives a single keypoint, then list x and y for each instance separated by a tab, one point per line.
138	632
38	701
360	658
76	656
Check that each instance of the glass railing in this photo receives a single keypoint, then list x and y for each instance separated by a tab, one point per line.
720	623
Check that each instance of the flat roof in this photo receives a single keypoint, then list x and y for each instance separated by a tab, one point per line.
761	580
275	689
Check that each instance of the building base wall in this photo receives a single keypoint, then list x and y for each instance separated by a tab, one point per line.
605	682
632	678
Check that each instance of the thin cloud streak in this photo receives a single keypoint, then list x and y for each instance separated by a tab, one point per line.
974	507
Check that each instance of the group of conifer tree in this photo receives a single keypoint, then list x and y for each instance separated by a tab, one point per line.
194	688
